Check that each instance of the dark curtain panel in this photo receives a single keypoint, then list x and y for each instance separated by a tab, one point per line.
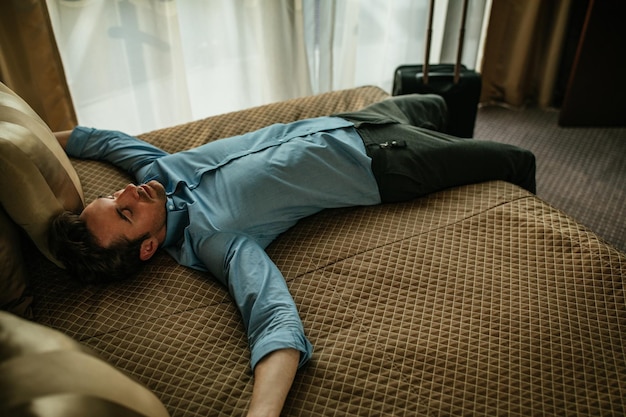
595	90
30	63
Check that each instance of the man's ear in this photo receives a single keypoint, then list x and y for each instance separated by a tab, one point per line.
148	248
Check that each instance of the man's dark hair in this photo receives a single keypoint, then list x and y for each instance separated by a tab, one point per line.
78	249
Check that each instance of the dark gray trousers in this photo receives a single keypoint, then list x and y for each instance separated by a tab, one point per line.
411	157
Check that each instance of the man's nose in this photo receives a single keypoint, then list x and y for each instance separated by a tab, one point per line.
129	193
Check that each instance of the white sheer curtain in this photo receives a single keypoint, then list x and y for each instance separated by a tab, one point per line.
138	65
358	42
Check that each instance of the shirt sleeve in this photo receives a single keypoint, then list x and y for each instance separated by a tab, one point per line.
260	293
124	151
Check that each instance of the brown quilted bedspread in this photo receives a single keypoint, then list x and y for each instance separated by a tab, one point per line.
478	300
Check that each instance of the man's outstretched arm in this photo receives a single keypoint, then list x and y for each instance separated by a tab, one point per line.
275	332
118	148
273	377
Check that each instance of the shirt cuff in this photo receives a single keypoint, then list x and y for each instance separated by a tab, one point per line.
77	140
282	340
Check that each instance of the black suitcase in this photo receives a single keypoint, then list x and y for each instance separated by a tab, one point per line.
460	87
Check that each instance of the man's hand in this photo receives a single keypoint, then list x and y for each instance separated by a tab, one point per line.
273	377
62	137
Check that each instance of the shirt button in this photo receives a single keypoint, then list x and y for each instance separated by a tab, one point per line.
171	206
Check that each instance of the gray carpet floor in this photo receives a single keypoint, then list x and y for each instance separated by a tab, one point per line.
580	171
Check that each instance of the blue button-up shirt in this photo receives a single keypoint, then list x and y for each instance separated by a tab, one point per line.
229	199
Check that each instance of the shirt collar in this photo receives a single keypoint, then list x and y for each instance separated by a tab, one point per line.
177	221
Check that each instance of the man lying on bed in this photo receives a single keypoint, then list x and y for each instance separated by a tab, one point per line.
217	207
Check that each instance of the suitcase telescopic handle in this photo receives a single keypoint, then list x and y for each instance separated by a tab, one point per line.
429	36
459	51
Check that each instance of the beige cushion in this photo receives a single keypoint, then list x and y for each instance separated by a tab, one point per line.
13	275
37	179
37	182
45	373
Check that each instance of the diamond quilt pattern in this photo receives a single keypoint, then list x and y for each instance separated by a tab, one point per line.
478	300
